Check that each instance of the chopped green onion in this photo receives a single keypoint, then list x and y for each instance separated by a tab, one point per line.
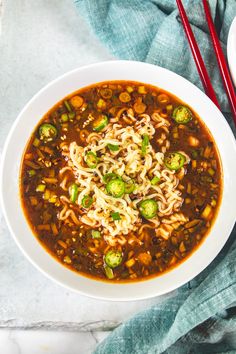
91	159
113	258
145	143
31	173
109	272
64	118
40	187
87	201
211	171
194	154
115	216
96	234
71	115
68	107
113	147
73	190
36	142
155	180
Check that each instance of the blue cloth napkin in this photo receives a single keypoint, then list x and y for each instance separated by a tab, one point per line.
201	317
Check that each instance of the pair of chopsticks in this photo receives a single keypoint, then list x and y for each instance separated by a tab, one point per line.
219	56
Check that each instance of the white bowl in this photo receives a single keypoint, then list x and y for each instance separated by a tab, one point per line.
25	124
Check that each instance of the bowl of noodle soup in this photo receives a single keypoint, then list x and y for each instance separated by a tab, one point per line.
121	181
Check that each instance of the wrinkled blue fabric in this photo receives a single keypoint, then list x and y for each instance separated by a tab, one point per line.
201	317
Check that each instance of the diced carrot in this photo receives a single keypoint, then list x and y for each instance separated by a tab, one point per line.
44	227
62	244
130	262
207	212
54	229
145	258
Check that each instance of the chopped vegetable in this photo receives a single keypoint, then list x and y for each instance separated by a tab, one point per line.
207	211
194	154
213	202
40	187
207	152
68	107
148	208
50	180
109	272
130	263
129	89
47	194
142	90
36	142
76	101
86	201
193	141
194	164
113	147
187	201
169	108
33	200
139	106
73	190
182	115
52	199
163	98
145	143
189	188
64	118
211	171
113	258
47	132
31	173
116	187
67	260
115	216
145	258
100	123
174	160
109	176
106	93
71	115
129	186
54	229
101	103
155	180
91	159
96	234
124	97
182	247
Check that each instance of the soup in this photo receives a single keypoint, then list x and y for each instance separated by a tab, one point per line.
120	181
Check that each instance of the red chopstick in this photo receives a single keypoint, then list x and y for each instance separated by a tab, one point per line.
229	88
197	55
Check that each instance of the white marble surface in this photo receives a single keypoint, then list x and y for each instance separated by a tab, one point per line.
40	40
46	342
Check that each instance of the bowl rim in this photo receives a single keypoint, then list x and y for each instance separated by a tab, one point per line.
123	286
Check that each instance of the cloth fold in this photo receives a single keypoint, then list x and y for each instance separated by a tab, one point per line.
201	317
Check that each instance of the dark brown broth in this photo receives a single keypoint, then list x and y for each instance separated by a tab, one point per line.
75	241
